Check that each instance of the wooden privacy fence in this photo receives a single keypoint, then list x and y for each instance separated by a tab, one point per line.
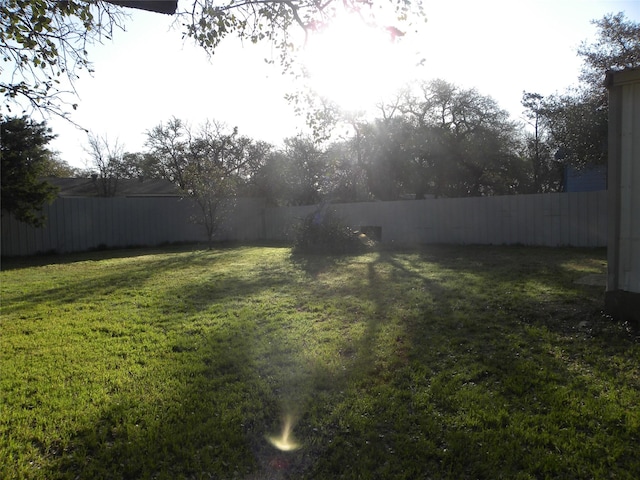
78	224
553	219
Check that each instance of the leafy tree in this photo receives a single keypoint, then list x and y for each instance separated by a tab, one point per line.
320	113
460	143
306	172
578	119
139	165
23	148
297	174
578	124
617	47
209	164
348	179
270	182
46	41
384	152
441	140
43	41
55	167
279	22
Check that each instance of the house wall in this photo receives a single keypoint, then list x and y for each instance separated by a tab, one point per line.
555	219
623	276
589	179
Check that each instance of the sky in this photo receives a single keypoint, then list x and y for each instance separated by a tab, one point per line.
148	73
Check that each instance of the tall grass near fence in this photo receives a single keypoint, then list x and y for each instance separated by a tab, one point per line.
477	362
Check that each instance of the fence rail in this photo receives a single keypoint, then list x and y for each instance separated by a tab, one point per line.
555	219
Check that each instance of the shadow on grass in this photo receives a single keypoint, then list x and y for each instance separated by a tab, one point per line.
98	281
204	417
313	263
456	363
498	380
16	263
203	400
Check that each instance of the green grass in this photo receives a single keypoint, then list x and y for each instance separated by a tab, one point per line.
475	362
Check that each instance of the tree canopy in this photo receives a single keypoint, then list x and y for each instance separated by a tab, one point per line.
577	120
617	46
45	44
443	141
25	158
208	163
439	140
433	139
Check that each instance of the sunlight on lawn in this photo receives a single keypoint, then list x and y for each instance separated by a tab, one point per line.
249	363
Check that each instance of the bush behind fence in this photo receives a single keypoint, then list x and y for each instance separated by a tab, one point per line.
79	224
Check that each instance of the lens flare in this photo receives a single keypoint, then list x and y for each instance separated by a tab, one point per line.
285	441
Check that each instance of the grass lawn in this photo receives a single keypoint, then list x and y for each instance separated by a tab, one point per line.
444	362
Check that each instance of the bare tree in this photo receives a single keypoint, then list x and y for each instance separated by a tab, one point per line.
106	159
209	164
168	144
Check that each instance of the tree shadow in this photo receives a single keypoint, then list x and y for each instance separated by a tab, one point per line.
448	398
474	369
215	403
199	424
40	260
315	263
100	283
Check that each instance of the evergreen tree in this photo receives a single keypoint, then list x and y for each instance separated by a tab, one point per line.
24	154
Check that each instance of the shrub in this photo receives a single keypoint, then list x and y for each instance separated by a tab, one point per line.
323	231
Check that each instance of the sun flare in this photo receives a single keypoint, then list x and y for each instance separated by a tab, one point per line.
355	64
285	441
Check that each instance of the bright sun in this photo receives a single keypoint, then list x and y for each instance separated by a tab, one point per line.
356	65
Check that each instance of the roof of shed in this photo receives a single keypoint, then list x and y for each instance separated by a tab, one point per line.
86	187
168	7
